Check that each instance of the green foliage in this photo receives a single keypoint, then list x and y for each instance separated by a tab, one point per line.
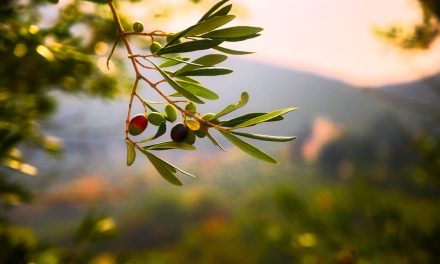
207	33
419	36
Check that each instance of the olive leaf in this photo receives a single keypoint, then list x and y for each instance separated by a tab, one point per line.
131	153
172	61
160	131
190	46
170	145
148	104
212	10
188	79
264	137
231	51
248	148
214	141
198	90
206	61
246	117
177	87
166	170
232	107
236	39
223	11
264	117
211	71
208	25
232	32
182	61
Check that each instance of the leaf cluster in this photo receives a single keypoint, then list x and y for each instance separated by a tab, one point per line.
179	71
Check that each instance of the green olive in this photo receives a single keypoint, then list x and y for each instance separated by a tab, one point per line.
210	117
170	113
156	118
191	107
138	26
191	138
155	46
201	133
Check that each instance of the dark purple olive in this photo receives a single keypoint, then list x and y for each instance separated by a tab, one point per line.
179	132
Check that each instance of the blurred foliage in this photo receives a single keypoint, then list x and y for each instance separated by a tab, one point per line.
43	53
421	35
375	210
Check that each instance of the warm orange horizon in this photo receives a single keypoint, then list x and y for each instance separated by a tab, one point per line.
335	39
330	38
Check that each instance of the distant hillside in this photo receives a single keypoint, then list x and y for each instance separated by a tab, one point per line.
93	129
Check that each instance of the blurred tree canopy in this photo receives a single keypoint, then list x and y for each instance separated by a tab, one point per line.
419	36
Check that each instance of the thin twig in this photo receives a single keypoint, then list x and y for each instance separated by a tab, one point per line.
111	53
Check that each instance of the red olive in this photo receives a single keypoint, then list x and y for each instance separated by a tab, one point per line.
179	132
137	124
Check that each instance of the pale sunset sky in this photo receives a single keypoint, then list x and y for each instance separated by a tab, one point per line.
333	38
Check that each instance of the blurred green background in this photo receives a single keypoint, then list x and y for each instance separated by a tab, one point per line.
361	184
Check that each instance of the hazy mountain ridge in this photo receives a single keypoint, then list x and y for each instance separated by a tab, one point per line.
94	136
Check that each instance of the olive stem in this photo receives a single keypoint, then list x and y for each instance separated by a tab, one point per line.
139	76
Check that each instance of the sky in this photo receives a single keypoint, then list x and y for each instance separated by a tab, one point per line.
331	38
335	38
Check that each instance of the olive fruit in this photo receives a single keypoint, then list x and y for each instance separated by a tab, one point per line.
210	117
155	46
170	113
191	108
138	26
191	138
201	133
179	132
137	124
156	118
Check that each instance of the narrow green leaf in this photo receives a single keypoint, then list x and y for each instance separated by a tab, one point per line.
223	11
246	117
214	141
164	169
232	52
264	117
182	61
131	153
169	62
264	137
160	131
148	104
213	9
206	61
248	148
232	32
232	107
198	90
190	46
170	145
177	87
210	59
209	25
241	38
177	36
171	167
211	71
187	79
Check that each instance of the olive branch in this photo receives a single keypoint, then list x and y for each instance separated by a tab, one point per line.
203	35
